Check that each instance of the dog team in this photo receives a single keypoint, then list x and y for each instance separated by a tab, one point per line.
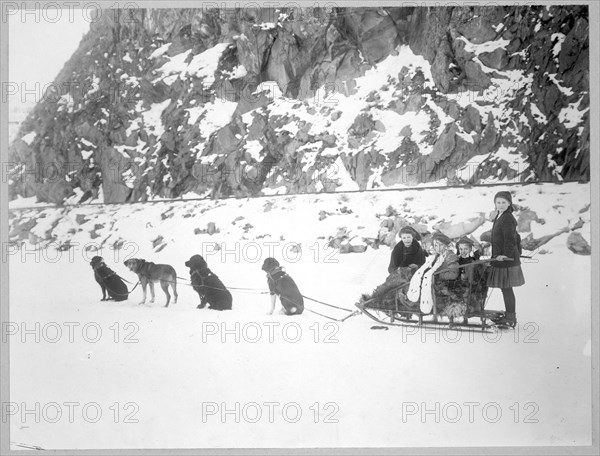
206	283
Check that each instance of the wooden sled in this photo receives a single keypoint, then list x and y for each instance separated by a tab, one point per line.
457	304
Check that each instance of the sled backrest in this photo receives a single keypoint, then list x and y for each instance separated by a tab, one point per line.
470	288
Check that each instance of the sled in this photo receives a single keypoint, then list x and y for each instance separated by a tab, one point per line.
457	304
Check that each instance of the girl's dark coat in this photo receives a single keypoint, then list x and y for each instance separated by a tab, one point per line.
403	256
505	240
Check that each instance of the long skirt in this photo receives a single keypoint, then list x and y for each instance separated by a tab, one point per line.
506	277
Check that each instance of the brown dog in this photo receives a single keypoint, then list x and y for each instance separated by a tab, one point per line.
149	272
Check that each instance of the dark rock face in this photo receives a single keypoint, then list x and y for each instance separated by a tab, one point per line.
162	102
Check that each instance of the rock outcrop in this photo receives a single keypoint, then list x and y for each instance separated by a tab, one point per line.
157	103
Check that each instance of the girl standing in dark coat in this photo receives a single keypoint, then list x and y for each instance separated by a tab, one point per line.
408	252
506	271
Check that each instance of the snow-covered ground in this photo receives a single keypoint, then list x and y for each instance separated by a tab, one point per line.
179	377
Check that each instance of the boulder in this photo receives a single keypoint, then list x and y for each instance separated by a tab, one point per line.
477	79
524	220
376	33
471	120
445	144
531	243
359	248
157	241
348	247
455	230
22	230
420	228
345	248
478	30
33	239
406	131
363	124
498	59
415	102
399	222
577	244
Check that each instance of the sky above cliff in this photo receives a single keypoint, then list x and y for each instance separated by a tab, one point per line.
40	43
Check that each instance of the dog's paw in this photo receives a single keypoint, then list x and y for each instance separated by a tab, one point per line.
141	303
103	299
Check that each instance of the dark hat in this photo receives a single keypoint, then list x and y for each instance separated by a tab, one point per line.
196	262
441	237
504	195
410	230
465	240
270	264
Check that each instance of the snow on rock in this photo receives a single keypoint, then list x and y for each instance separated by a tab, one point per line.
205	64
152	119
566	90
160	51
202	65
571	116
537	114
217	114
171	70
560	39
238	72
489	46
29	137
254	148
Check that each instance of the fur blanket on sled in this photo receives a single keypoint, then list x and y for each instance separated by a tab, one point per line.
452	296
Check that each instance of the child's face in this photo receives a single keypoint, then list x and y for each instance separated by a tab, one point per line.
501	204
406	239
464	250
439	247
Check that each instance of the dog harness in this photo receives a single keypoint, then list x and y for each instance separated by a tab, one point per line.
276	274
202	278
110	274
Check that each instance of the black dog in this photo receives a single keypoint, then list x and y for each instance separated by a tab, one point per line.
109	281
282	285
208	286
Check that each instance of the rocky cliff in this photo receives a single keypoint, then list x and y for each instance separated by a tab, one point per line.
159	103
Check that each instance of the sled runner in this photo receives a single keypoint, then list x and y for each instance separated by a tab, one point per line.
457	304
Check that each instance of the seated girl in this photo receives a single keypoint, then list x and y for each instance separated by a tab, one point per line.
408	252
443	265
406	257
